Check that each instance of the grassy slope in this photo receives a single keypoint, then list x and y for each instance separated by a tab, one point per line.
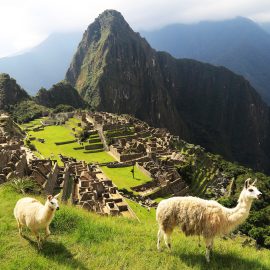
81	240
122	177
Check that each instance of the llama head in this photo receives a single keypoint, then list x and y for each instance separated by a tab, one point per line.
52	202
250	192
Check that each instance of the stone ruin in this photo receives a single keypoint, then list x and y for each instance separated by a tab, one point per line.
166	180
57	118
93	191
108	121
13	162
151	149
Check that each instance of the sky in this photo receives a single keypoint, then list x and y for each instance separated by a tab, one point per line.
26	23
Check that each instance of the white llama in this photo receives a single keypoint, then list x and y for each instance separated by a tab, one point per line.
208	218
36	216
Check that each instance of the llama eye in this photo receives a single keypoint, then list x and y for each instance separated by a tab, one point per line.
51	202
251	190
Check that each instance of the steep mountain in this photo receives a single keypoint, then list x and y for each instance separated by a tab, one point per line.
238	44
60	93
116	70
10	92
43	65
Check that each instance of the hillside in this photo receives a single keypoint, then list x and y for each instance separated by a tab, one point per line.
238	44
10	92
43	65
81	240
60	93
116	70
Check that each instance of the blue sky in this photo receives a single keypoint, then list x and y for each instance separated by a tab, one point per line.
25	23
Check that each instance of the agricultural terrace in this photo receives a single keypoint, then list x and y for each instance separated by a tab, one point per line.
64	133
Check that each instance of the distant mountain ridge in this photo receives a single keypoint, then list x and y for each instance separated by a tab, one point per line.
238	44
116	70
43	65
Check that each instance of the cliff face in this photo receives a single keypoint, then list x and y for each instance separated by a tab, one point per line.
116	70
10	92
243	47
60	93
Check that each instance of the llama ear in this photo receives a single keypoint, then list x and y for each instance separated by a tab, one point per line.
254	182
49	198
56	196
247	182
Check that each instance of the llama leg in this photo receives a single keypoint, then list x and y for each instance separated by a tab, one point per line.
159	235
38	239
48	233
167	239
19	227
209	246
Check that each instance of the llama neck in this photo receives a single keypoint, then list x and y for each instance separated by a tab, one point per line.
239	214
46	214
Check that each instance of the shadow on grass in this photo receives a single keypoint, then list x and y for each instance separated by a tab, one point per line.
219	261
58	253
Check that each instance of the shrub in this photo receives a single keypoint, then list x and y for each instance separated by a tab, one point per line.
63	108
24	185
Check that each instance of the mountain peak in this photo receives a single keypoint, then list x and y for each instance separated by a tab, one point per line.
111	13
110	18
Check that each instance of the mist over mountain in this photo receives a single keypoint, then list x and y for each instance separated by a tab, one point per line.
43	65
116	70
238	44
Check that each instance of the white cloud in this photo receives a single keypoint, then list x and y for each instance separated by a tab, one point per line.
26	23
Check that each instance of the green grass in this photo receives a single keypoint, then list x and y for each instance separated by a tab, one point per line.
73	123
122	177
31	124
53	134
82	240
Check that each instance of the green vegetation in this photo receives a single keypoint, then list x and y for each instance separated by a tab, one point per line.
82	240
61	93
31	124
24	185
122	177
63	108
27	110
